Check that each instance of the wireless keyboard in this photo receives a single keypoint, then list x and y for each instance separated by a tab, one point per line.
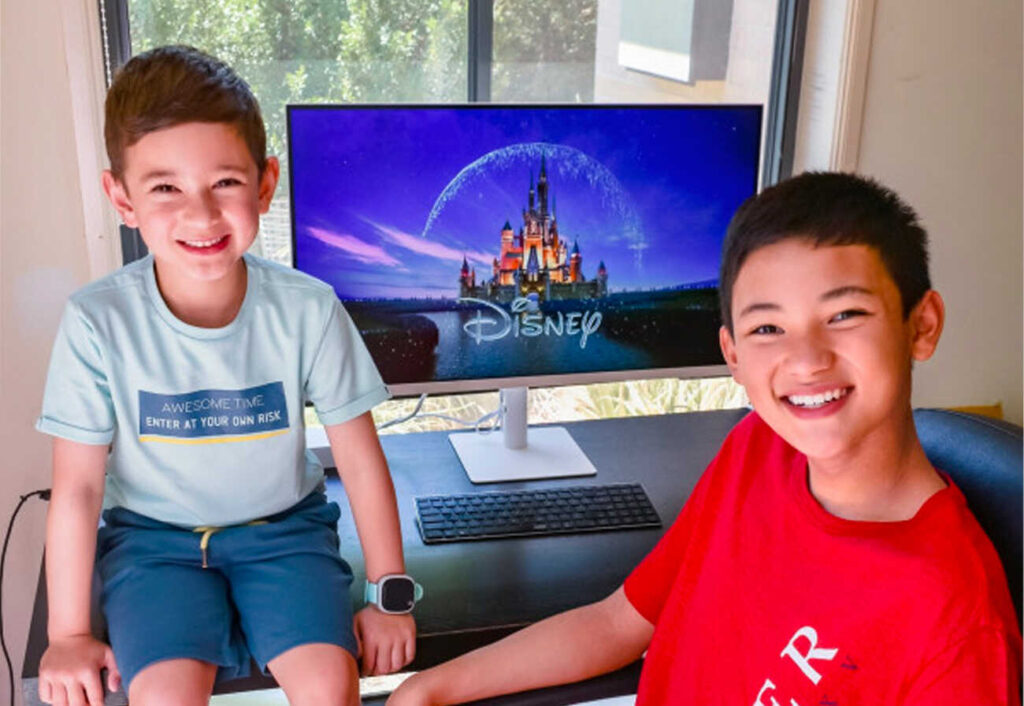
529	513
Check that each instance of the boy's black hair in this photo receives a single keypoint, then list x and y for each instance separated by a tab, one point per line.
171	85
828	208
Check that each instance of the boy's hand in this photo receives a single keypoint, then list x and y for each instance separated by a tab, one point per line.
69	672
386	642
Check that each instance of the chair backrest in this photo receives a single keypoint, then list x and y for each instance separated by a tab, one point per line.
985	458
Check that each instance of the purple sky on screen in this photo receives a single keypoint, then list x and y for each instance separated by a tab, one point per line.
388	200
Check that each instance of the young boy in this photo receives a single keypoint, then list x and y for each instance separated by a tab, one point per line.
821	559
181	378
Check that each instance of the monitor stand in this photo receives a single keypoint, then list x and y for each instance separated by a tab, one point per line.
492	457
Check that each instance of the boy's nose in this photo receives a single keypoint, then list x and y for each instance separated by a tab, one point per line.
810	354
203	209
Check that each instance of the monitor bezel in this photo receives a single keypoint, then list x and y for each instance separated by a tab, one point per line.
468	385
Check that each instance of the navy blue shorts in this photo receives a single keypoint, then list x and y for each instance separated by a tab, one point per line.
268	587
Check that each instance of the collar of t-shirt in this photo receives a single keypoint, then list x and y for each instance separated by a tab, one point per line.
799	488
252	275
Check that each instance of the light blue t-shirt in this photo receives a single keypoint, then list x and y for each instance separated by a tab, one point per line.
206	425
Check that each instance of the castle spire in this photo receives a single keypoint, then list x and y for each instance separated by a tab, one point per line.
542	186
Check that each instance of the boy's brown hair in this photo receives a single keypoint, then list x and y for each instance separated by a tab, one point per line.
171	85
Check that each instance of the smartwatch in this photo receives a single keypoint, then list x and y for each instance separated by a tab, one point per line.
394	593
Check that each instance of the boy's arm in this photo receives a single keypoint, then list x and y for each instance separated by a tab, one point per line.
388	642
73	658
564	648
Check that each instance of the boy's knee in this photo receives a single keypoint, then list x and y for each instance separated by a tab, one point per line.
318	675
177	682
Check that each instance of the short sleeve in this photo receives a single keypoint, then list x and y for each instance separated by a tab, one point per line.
650	584
343	382
981	668
77	404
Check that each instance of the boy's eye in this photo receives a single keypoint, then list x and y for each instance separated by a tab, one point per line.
229	181
765	330
849	314
163	189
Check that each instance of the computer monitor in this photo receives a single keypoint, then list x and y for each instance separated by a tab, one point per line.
501	246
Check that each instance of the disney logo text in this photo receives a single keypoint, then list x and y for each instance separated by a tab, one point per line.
528	323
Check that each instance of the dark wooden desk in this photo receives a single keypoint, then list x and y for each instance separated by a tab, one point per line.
477	592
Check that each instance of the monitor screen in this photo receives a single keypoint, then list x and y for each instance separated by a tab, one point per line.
480	246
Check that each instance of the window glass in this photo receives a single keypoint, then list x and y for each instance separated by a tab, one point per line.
544	52
605	400
690	51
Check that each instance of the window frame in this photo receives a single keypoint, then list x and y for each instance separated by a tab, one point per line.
780	113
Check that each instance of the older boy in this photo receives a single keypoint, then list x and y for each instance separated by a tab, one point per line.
182	379
821	559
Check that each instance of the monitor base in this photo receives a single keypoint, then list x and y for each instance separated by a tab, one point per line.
550	453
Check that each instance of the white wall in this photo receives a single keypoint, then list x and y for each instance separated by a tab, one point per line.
43	257
942	125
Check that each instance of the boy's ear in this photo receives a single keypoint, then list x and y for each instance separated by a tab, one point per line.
729	352
925	325
268	183
118	195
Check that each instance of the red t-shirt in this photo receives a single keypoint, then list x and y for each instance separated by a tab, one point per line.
760	596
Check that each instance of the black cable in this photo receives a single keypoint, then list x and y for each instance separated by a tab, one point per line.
45	495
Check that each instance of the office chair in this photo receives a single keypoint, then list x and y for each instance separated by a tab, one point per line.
984	458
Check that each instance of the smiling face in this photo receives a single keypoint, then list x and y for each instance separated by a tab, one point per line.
821	345
194	192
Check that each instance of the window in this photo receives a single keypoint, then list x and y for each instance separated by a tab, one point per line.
544	52
623	51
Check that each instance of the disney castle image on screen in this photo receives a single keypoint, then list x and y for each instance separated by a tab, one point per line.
506	241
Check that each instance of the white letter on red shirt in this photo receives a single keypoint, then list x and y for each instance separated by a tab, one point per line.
769	685
803	661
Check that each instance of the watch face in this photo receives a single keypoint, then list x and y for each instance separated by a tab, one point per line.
396	594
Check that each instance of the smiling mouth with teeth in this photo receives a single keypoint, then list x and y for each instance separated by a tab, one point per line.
203	243
819	400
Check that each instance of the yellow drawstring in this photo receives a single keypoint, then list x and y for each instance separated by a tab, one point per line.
204	541
208	531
